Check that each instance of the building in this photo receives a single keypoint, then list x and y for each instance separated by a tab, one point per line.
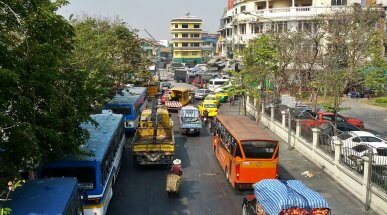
244	20
187	39
209	45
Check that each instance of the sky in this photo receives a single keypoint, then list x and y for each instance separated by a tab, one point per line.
152	15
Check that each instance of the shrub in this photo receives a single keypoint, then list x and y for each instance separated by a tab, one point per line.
381	100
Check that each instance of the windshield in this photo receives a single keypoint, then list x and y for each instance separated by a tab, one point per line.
121	110
259	149
190	119
209	106
85	175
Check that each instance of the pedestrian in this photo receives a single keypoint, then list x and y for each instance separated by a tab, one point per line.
231	100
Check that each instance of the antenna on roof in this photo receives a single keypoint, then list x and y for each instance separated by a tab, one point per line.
188	14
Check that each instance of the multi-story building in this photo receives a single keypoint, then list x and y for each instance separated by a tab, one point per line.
244	20
209	45
187	39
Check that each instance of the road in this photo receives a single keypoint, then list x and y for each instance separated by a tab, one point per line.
375	118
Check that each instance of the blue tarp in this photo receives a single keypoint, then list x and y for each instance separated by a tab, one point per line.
275	195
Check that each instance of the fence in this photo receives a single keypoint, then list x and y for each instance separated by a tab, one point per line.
364	176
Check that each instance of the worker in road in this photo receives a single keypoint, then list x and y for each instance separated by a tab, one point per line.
176	167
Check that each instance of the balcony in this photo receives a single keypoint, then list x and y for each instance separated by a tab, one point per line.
193	39
187	48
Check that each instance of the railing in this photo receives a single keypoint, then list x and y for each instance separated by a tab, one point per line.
303	9
279	10
363	173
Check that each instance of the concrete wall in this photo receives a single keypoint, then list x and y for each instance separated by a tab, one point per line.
354	183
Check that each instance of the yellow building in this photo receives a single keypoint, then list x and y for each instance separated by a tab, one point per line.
187	39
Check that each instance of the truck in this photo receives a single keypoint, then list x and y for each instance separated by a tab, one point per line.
180	75
190	121
154	142
177	98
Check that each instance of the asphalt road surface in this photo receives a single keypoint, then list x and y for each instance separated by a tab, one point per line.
204	189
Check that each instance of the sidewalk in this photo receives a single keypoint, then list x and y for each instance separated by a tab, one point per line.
293	164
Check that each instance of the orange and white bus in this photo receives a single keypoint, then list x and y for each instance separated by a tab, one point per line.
245	152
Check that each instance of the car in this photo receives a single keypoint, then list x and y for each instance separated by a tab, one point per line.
354	138
165	85
223	96
352	156
210	106
324	117
212	98
201	93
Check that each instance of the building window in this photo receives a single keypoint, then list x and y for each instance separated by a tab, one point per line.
243	8
257	28
305	26
279	26
236	10
176	26
184	44
184	26
176	44
176	35
195	35
184	35
242	29
184	53
195	44
338	2
196	26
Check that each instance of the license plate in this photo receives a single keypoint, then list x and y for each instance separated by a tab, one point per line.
191	129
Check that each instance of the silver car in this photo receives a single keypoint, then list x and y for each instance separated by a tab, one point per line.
201	93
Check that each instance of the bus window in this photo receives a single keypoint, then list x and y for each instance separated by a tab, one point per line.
259	149
238	152
122	110
85	175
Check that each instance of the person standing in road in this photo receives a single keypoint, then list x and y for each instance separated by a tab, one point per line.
176	167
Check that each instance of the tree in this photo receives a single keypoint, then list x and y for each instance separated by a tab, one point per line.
261	65
40	110
106	50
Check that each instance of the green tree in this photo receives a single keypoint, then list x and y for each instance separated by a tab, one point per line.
106	50
260	58
40	111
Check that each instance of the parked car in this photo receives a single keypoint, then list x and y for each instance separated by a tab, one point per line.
354	138
323	117
201	93
352	156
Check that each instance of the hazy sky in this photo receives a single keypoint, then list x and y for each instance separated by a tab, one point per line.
153	15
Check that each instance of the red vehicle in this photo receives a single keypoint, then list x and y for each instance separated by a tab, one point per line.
324	117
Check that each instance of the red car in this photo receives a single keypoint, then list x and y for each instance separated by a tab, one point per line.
323	117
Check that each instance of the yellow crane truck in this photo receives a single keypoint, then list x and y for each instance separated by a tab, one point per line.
153	142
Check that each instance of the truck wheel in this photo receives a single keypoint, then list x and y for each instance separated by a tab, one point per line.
244	209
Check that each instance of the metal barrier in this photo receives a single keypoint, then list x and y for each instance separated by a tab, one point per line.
268	111
379	166
306	133
325	143
278	114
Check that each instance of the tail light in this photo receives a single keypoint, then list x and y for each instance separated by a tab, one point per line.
237	171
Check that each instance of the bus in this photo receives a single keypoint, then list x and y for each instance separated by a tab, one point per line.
246	153
129	102
47	196
97	169
215	83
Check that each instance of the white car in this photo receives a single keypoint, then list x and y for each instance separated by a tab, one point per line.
201	93
353	138
352	156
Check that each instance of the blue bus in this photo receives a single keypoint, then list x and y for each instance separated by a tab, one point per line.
129	102
98	168
47	196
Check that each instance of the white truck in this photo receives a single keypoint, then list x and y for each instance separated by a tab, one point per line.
163	75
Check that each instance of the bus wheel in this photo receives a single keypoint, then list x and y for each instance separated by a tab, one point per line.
227	174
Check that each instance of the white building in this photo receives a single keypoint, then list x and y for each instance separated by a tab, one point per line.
247	19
